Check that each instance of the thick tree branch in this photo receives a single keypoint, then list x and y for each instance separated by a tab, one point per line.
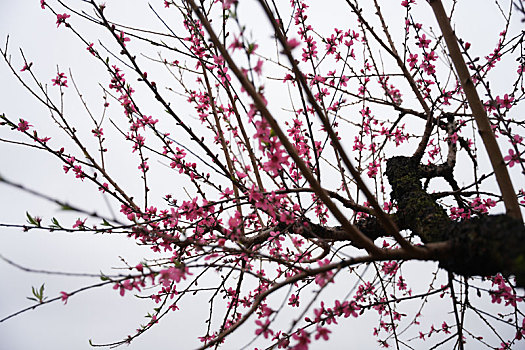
496	159
480	246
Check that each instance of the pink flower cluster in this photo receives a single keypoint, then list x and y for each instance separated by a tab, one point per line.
60	80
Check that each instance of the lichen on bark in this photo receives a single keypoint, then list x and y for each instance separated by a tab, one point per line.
481	246
417	209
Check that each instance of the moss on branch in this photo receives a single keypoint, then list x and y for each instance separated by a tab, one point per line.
481	246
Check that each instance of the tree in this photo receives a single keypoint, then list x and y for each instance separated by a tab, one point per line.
313	176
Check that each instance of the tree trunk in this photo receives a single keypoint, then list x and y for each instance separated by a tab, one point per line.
481	246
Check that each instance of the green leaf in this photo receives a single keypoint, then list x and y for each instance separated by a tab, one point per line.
31	220
38	293
55	222
105	223
251	48
65	207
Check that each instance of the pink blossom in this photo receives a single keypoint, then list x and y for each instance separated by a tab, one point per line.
173	274
91	49
512	158
322	332
264	328
358	145
43	139
350	309
380	308
423	41
505	292
122	38
388	206
303	339
453	138
143	166
222	72
276	161
516	139
445	328
293	43
319	96
412	60
401	283
258	67
344	80
79	174
64	296
459	213
126	285
276	237
23	125
294	300
236	44
60	80
226	4
79	223
98	132
324	277
104	187
227	193
61	19
504	346
372	169
505	102
26	67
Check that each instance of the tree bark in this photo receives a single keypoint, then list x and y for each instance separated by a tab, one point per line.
481	246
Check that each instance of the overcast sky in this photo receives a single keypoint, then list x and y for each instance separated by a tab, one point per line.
101	314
